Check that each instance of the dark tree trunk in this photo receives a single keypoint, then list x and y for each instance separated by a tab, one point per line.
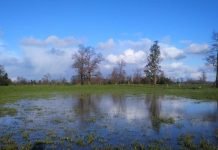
217	70
81	79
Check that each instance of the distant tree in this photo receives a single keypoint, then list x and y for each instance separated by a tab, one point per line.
2	70
86	62
121	71
46	78
203	77
115	76
63	80
137	76
162	79
118	73
212	57
74	80
128	79
21	80
4	80
97	79
152	69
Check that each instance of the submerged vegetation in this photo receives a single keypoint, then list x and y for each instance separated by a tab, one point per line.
159	120
185	141
110	121
7	111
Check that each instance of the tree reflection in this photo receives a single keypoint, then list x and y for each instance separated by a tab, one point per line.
119	103
86	106
154	107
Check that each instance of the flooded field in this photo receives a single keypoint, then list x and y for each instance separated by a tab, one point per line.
85	121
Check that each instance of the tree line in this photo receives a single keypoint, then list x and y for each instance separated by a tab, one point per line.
86	65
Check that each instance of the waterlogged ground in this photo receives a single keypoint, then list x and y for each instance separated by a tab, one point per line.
85	121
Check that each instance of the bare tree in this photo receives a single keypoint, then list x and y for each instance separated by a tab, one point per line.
203	77
46	78
121	65
118	73
93	61
137	76
152	69
98	79
212	57
115	76
86	62
21	80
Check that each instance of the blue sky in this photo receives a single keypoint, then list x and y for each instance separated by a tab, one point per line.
118	29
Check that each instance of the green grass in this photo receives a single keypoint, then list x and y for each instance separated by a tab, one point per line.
90	138
90	120
160	120
80	142
57	120
7	111
187	141
15	92
25	135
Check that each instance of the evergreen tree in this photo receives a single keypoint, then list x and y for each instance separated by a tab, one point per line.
152	69
212	57
4	80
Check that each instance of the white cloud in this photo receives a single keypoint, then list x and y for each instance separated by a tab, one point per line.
107	66
45	61
53	55
129	56
142	44
51	41
171	52
108	45
134	53
176	65
178	70
111	44
198	48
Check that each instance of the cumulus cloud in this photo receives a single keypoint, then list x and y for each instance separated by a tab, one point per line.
134	53
198	48
40	56
129	56
111	44
108	45
53	55
52	61
143	45
51	41
171	52
13	64
178	70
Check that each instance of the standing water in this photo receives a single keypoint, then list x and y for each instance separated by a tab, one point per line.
90	121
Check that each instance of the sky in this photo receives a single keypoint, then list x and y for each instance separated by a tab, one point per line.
39	36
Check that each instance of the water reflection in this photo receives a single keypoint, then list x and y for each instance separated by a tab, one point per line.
143	108
119	118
